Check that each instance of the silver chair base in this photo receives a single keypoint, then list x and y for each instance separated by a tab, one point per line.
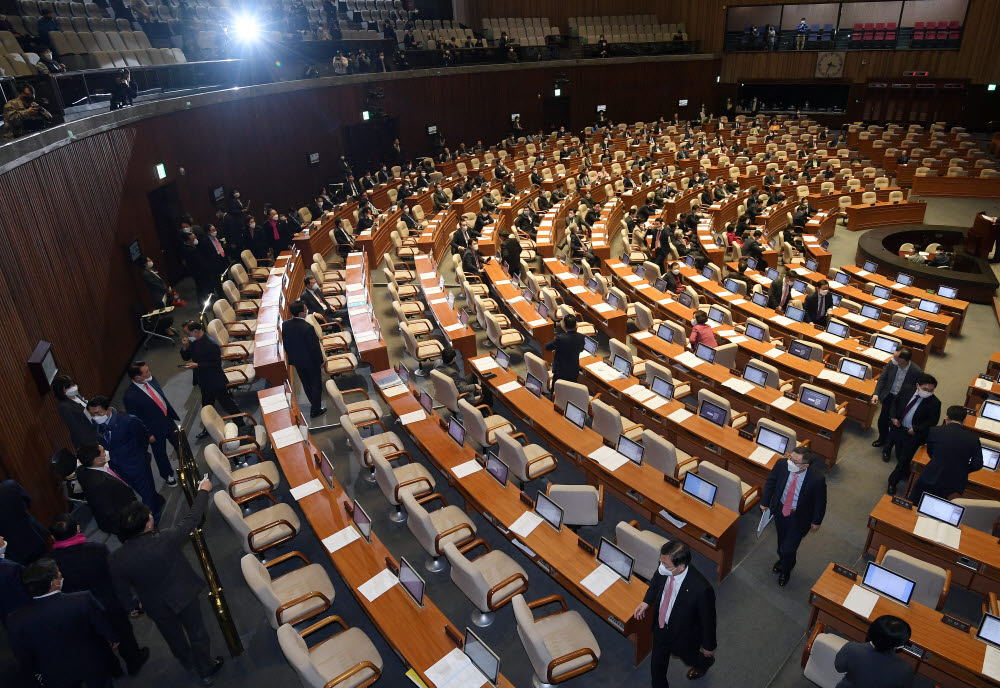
398	515
435	564
368	476
538	683
483	619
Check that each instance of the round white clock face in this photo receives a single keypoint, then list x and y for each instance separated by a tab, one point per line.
829	65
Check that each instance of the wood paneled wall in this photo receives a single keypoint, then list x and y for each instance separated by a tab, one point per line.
70	214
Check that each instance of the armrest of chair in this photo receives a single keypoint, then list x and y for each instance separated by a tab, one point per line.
249	478
249	290
538	459
600	502
806	443
236	324
241	415
285	606
450	531
680	464
245	449
494	605
332	683
432	497
323	623
265	261
739	416
253	495
548	599
944	589
245	310
296	554
750	498
881	554
412	481
488	410
841	408
991	605
357	390
682	390
583	652
266	527
393	456
465	549
817	629
520	436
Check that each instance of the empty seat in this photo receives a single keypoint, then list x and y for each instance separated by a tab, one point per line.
293	597
931	582
582	505
346	659
490	581
818	658
260	530
642	545
559	645
435	529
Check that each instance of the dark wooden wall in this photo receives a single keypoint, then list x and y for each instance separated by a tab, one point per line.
70	214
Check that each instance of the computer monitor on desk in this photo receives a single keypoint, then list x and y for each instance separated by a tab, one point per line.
613	301
752	263
811	265
630	450
716	315
665	333
426	402
990	409
904	279
689	260
485	659
771	274
870	266
991	457
533	385
799	286
456	432
362	521
463	317
842	278
732	285
755	375
853	368
713	413
915	325
947	292
838	329
873	312
590	345
887	583
759	299
660	285
884	344
497	468
810	397
699	488
880	292
404	374
927	306
615	559
685	299
576	415
550	512
622	365
705	352
662	387
411	581
940	509
755	332
796	314
502	359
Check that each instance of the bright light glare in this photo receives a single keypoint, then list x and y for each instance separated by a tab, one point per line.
246	29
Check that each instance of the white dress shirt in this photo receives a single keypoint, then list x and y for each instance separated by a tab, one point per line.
678	581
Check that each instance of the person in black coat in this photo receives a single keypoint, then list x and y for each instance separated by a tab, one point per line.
510	253
198	267
106	492
567	346
461	238
205	358
304	351
915	411
472	262
680	605
897	374
152	563
314	299
145	400
25	536
12	595
955	452
779	294
72	408
754	249
84	566
817	311
877	662
795	493
64	637
345	242
482	220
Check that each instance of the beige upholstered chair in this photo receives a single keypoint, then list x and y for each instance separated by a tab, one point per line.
657	370
332	336
780	429
619	348
380	443
559	310
582	505
642	545
361	413
330	271
234	326
818	656
489	581
610	425
435	529
257	268
536	365
526	461
260	530
293	597
559	645
345	660
445	391
665	457
732	493
400	273
410	314
395	482
981	514
421	351
260	477
831	401
564	391
931	582
499	336
736	420
483	429
242	307
247	288
227	435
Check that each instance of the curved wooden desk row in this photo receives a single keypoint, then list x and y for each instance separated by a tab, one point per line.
364	324
283	285
983	484
953	307
980	389
417	634
556	553
520	311
967	187
460	337
586	303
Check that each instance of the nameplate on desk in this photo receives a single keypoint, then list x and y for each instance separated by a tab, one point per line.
899	501
586	546
956	623
845	572
526	500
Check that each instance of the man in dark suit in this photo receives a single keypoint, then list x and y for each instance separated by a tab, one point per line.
955	452
84	566
107	493
345	242
205	358
197	266
145	400
156	285
795	492
72	408
64	637
779	295
472	263
681	608
900	372
915	411
460	239
817	305
314	299
567	346
152	563
510	253
12	595
25	536
305	353
754	249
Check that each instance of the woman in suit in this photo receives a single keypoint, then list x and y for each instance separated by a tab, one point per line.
875	662
72	409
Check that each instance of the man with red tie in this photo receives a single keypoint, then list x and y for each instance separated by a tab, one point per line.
795	492
145	400
681	607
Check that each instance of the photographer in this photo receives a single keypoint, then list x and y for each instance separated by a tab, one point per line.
24	115
123	90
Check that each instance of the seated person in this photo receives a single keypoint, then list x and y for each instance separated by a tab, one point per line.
731	235
940	259
465	384
701	332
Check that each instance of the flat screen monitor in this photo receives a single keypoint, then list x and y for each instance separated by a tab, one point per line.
411	581
772	440
543	311
497	468
842	278
884	344
625	259
870	266
576	415
713	413
550	512
755	332
881	292
630	450
592	284
752	263
590	345
451	299
873	312
705	352
622	365
707	273
463	317
811	397
837	329
799	286
928	306
755	375
915	325
602	108
362	521
759	299
852	368
811	265
947	292
904	279
989	630
575	269
685	299
613	301
404	374
663	388
699	488
432	129
836	299
715	314
502	359
665	333
887	583
660	285
772	274
218	193
689	261
732	285
991	410
456	431
615	559
800	349
640	272
940	509
991	457
796	314
426	402
533	385
485	659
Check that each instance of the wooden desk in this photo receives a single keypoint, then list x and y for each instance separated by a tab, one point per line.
975	565
983	484
556	553
416	634
587	304
318	240
521	312
979	389
951	658
993	365
964	187
280	289
364	323
461	338
953	307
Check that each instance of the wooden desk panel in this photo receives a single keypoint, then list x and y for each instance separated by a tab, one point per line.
880	214
281	288
611	322
461	338
522	313
363	320
954	307
963	187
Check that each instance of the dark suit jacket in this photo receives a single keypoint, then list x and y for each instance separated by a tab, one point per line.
85	569
459	241
865	666
157	288
888	375
153	564
312	301
81	430
925	417
301	344
141	405
26	537
567	347
812	497
510	252
774	293
753	249
12	595
207	354
106	495
691	625
470	266
811	304
63	637
955	452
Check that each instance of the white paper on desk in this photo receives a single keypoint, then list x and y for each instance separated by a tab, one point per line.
632	278
782	403
639	393
306	489
267	339
655	402
781	320
644	285
664	302
854	317
879	302
680	416
276	272
362	337
428	275
738	339
264	328
863	273
877	354
286	437
604	371
433	290
688	359
453	327
738	385
676	521
698	278
280	405
774	353
455	670
355	287
645	334
725	333
860	601
509	387
737	302
829	338
833	376
485	363
600	579
467	468
578	289
516	299
412	417
761	455
565	275
905	309
601	307
377	584
341	538
537	323
608	458
525	523
938	531
437	301
395	391
889	329
991	663
983	384
835	285
988	425
896	285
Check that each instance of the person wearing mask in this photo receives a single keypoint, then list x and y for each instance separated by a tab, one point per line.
876	663
329	308
779	295
106	492
215	252
680	603
197	267
72	408
152	563
345	242
305	352
674	280
701	331
145	400
61	637
915	411
800	34
23	114
795	494
567	346
273	231
472	262
84	566
524	223
482	220
461	238
510	253
205	359
898	373
955	452
47	64
26	537
818	304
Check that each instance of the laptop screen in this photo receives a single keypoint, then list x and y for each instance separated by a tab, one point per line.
699	488
811	265
463	317
799	286
759	299
716	315
590	345
881	292
622	365
411	581
710	411
940	509
630	450
502	358
884	344
496	468
904	279
362	521
732	285
689	261
533	384
837	329
796	314
613	301
705	352
800	349
991	410
772	274
426	402
890	584
752	263
755	375
592	284
947	292
685	299
660	284
915	325
615	559
707	273
663	388
755	332
404	374
451	299
772	440
665	333
482	656
873	312
575	270
456	431
640	272
811	397
543	311
842	278
989	630
549	510
928	306
991	457
870	266
852	368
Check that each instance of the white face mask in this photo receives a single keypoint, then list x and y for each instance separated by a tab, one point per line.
675	272
924	393
315	286
212	233
824	292
664	571
192	340
107	457
101	420
72	391
792	468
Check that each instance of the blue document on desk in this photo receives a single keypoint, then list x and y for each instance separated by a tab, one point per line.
765	518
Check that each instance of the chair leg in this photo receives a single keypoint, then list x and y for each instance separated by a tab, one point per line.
369	475
483	619
398	515
435	564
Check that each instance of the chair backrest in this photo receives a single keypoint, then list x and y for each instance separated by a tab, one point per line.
297	653
536	365
713	398
643	316
780	429
772	372
929	579
445	390
725	355
831	400
467	577
533	641
219	464
259	580
619	348
981	514
419	521
659	453
607	421
642	545
474	422
820	667
564	391
816	349
213	422
223	311
230	511
729	492
409	341
354	439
